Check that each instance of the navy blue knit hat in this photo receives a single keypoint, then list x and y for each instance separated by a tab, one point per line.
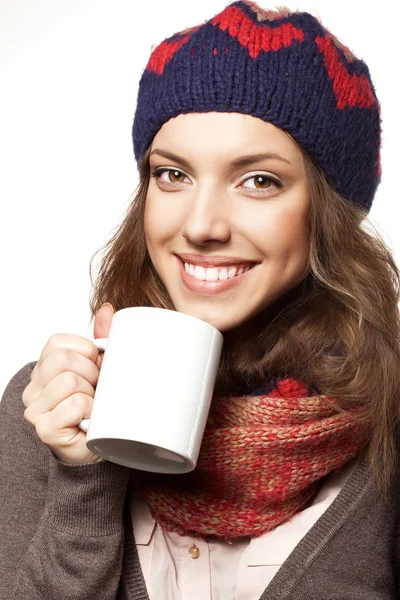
282	67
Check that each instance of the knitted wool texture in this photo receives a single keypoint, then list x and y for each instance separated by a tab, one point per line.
261	461
284	68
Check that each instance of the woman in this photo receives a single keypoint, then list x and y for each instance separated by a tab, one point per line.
257	136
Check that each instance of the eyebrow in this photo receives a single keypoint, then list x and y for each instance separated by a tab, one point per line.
241	161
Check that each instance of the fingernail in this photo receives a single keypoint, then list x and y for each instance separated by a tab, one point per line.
107	304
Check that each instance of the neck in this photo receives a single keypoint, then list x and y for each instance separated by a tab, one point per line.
250	328
242	341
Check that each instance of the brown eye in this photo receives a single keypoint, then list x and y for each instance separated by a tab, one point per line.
262	182
175	176
165	175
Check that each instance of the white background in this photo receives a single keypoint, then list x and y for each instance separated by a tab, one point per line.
69	72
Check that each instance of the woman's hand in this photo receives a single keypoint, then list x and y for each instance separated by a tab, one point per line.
61	390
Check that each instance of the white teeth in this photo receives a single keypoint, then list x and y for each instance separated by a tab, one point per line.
223	274
214	273
199	273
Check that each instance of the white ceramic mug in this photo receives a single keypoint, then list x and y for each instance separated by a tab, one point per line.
154	390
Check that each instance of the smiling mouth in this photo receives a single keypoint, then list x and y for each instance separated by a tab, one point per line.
217	273
219	279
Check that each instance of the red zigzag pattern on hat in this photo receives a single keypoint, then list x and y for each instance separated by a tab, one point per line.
350	90
256	37
163	54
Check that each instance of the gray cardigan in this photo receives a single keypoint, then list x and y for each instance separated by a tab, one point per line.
66	533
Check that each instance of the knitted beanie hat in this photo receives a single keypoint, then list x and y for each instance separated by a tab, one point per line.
282	67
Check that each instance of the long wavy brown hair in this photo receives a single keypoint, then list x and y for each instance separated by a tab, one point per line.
338	330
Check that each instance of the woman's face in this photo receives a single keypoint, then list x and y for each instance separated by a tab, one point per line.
225	215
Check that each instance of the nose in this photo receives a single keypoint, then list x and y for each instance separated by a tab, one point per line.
207	219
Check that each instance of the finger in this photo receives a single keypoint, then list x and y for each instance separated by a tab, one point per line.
71	411
63	385
59	361
34	370
59	427
102	321
99	360
76	343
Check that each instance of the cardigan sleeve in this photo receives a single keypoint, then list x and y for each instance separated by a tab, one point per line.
61	525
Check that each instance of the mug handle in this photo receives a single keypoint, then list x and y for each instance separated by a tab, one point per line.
101	344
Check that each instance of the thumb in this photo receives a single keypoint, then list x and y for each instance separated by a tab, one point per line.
102	321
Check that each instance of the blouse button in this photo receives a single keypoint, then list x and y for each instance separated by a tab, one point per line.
194	552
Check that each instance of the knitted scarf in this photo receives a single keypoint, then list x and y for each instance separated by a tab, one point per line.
263	459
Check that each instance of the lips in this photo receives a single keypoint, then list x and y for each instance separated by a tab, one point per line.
215	261
215	273
215	285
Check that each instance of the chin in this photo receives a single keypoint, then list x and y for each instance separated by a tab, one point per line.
220	319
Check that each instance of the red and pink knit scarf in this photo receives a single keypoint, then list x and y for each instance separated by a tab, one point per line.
262	460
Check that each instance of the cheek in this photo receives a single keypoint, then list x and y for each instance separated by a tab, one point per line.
282	233
160	222
148	222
